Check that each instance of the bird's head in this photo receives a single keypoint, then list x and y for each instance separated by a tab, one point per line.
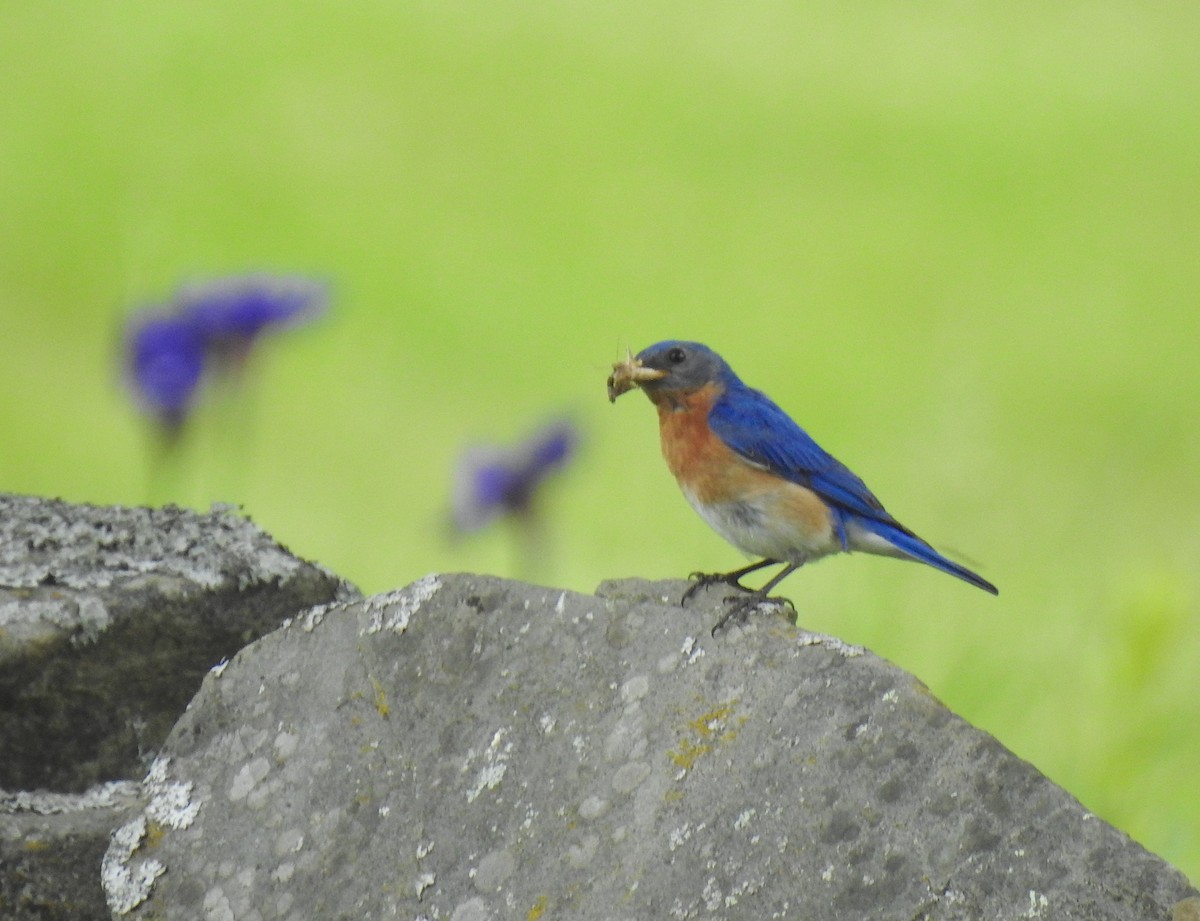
670	366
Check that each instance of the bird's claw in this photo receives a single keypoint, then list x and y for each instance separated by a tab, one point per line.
740	608
703	580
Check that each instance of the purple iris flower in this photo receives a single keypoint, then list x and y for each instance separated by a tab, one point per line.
491	482
165	364
232	313
209	330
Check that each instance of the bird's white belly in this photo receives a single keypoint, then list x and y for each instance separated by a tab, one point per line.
761	526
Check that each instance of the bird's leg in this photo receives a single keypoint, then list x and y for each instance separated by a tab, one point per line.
705	579
739	608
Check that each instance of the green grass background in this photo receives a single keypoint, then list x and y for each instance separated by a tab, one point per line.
960	243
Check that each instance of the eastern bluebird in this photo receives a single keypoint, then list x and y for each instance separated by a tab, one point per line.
756	477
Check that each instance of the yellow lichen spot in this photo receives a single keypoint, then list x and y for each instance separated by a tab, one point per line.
539	907
37	844
711	729
155	832
713	720
381	704
687	752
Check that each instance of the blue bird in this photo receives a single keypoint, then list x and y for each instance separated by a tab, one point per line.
756	477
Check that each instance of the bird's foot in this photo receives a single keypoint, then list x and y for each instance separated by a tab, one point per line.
739	608
703	580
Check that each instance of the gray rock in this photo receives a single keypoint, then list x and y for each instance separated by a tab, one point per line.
51	848
109	619
470	748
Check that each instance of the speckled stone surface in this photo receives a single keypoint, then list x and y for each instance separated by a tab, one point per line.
469	748
52	846
109	619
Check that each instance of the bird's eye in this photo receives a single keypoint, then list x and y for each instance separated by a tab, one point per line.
676	356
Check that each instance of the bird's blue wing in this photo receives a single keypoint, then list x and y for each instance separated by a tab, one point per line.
756	428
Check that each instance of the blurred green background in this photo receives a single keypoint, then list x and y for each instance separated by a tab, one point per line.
960	243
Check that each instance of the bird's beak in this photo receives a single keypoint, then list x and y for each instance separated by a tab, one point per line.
628	374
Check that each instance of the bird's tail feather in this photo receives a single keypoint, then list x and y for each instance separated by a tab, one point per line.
912	546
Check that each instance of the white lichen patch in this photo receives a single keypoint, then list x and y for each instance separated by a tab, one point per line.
393	610
127	882
127	885
423	882
691	650
679	836
311	619
848	650
745	887
171	802
101	796
712	894
495	764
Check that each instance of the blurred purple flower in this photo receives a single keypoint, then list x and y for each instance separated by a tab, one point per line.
490	482
233	312
210	329
165	356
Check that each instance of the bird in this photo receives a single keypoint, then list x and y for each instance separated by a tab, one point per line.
757	478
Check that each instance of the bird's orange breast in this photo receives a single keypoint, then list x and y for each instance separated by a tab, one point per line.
703	464
756	510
